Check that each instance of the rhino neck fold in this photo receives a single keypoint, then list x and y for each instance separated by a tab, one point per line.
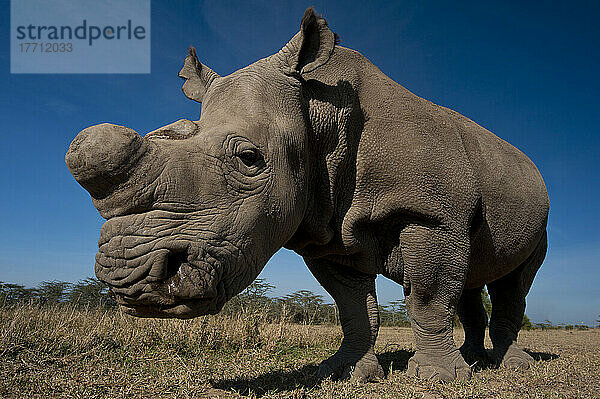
336	121
340	105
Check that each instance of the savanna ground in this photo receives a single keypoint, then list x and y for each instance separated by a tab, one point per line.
69	352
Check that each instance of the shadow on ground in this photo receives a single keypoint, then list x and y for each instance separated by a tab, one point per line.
394	360
306	377
278	380
542	356
491	363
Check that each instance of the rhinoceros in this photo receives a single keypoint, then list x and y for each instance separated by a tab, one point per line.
316	150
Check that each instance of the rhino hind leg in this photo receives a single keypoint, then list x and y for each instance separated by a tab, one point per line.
473	317
435	261
354	295
508	306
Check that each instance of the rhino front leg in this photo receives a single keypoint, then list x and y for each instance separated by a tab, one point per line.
354	295
435	262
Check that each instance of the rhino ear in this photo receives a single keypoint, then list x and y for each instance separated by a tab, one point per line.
312	46
198	77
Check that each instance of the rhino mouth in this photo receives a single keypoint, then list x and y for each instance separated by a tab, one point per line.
156	273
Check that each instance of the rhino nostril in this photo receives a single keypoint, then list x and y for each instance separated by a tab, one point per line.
174	262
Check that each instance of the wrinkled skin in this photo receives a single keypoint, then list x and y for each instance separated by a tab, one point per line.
315	149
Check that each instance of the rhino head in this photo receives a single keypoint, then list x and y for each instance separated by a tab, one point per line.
195	209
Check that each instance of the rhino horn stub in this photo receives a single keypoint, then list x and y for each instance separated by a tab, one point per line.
180	130
103	156
198	77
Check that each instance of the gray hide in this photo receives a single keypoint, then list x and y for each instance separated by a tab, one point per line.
316	150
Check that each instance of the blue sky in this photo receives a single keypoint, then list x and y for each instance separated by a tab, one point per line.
527	71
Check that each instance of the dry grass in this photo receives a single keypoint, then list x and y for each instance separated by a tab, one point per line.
65	352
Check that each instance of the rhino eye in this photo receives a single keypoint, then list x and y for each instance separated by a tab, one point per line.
250	157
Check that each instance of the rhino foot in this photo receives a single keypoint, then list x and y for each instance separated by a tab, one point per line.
446	368
341	366
475	356
516	358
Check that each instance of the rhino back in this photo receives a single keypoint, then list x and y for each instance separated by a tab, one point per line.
418	162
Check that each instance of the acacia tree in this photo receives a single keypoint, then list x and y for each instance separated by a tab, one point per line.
91	292
52	292
526	324
15	293
254	298
394	314
304	306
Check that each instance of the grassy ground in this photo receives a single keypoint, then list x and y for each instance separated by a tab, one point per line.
65	352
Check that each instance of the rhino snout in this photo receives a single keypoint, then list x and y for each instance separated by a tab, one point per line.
102	156
155	274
